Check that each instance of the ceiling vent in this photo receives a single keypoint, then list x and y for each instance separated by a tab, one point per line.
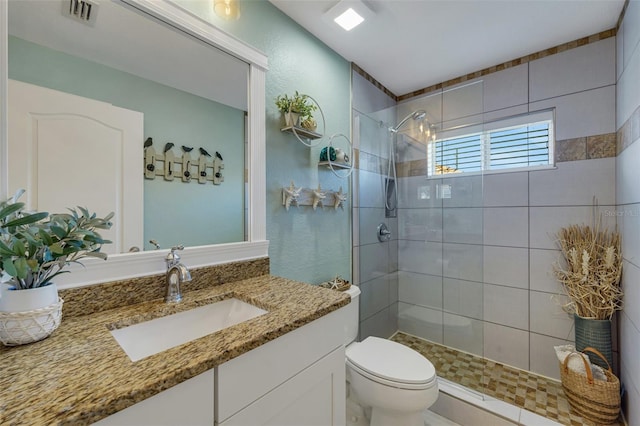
81	10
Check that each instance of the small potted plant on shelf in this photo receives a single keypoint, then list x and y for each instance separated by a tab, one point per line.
34	249
297	110
591	281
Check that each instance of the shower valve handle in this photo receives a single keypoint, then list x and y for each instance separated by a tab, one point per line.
383	233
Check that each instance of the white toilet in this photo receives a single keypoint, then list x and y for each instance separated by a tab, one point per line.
392	383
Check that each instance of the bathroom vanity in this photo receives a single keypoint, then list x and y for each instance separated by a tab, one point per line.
284	366
298	378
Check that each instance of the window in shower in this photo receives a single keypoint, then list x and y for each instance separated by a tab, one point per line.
518	142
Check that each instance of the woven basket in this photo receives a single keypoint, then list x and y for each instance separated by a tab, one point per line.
595	400
20	328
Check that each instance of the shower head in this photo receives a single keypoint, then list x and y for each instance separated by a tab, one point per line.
416	115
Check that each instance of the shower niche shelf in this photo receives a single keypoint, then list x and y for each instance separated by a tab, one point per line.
299	131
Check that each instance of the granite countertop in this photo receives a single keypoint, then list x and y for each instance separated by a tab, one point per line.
80	374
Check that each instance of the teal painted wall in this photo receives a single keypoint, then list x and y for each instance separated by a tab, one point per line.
175	212
306	245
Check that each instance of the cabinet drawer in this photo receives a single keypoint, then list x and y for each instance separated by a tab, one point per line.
243	380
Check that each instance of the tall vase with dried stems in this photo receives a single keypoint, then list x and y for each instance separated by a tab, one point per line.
590	277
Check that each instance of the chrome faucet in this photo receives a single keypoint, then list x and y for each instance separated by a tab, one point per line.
176	274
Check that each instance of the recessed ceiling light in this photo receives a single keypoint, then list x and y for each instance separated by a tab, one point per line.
348	14
349	19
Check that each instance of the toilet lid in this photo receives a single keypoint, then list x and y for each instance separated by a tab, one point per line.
391	361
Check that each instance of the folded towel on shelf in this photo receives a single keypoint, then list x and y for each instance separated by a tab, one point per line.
576	365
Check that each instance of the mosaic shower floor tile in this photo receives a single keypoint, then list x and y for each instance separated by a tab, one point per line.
534	393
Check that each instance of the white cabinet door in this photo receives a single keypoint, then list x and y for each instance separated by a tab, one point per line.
69	151
190	403
313	397
250	376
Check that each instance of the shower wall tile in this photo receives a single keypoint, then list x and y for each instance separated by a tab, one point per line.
628	175
368	221
631	31
626	224
371	189
374	297
506	306
506	266
412	224
462	225
420	321
506	88
574	183
628	89
374	261
356	261
366	97
393	255
506	345
463	333
630	334
394	288
620	50
462	101
547	316
419	192
545	222
563	73
506	226
506	190
632	395
541	276
542	356
463	298
383	324
630	280
420	257
498	114
466	191
462	261
355	186
420	224
355	225
420	289
582	114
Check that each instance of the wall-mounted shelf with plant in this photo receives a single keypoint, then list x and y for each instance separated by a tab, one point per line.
298	111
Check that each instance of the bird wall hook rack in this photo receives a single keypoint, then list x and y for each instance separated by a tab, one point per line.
169	165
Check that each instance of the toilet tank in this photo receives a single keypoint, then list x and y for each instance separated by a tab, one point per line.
353	315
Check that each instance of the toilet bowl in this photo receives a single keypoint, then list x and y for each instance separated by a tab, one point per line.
392	383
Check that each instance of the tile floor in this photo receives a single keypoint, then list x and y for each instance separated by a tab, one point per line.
521	388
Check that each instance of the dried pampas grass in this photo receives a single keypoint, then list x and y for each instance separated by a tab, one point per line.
591	278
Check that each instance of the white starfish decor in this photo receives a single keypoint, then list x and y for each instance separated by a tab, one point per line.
340	198
290	195
318	196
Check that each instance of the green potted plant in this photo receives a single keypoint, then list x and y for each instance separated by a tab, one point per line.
34	249
297	110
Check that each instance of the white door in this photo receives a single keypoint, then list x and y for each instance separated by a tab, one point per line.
69	151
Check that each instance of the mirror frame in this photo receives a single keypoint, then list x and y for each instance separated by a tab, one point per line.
130	265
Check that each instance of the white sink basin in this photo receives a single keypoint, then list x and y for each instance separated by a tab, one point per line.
151	337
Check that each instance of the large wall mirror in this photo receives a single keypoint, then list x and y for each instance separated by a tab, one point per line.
88	90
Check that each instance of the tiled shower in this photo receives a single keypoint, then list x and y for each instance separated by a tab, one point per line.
470	262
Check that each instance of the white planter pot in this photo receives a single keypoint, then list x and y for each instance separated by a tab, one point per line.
291	119
30	315
26	300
